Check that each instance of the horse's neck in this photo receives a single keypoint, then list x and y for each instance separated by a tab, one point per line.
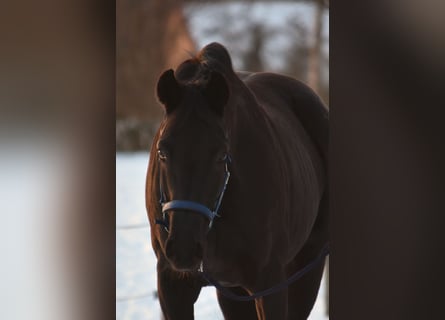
242	108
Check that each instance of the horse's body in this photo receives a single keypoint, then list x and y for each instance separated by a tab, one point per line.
274	212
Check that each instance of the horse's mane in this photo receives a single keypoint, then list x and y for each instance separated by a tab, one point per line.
197	69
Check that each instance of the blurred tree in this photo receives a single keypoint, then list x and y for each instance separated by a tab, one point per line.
313	77
151	36
297	56
252	60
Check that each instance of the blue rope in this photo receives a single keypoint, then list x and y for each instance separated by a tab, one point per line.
224	291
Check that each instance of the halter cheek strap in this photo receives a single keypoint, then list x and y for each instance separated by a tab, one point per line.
192	206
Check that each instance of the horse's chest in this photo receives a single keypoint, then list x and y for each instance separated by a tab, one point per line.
232	257
227	271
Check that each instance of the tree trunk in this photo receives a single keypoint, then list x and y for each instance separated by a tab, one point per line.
315	48
151	37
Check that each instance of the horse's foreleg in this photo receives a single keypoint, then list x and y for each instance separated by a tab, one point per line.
177	293
274	306
237	310
303	293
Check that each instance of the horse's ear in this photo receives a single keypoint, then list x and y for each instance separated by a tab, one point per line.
169	91
217	92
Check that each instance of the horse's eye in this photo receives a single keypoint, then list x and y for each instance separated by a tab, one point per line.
223	157
162	155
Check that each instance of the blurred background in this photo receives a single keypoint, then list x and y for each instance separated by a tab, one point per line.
58	165
289	37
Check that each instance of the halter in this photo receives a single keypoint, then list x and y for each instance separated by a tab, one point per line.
193	206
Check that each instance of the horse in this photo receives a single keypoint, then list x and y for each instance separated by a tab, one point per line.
269	133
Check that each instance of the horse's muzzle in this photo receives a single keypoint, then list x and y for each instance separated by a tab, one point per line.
184	255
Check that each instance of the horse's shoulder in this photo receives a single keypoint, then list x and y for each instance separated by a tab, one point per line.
281	84
301	100
243	75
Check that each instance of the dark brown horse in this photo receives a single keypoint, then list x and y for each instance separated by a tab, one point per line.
273	217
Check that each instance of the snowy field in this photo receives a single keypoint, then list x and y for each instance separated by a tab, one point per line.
135	261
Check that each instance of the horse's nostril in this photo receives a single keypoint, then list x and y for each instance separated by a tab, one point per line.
169	251
194	250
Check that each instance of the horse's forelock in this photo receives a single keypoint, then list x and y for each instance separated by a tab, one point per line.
193	113
213	57
188	70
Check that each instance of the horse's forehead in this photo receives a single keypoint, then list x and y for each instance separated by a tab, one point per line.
184	132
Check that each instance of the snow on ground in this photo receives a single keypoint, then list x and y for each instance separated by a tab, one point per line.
135	260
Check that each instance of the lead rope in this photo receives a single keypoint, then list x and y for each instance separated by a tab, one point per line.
225	292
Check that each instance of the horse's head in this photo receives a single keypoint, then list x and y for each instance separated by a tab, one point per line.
192	151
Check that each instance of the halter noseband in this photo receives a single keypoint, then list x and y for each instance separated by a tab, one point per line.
193	206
